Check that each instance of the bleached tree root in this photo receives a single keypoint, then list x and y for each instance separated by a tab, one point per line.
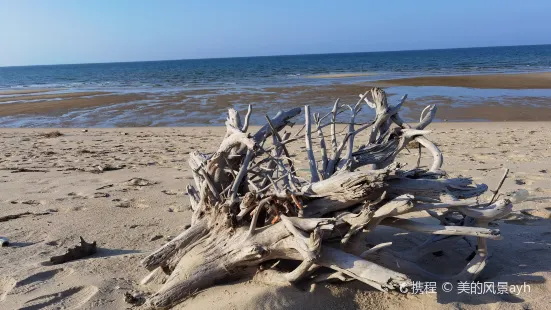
250	205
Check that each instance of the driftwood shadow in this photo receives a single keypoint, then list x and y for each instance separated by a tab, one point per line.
351	295
514	260
104	252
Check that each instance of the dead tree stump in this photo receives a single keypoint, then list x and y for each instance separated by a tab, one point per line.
250	205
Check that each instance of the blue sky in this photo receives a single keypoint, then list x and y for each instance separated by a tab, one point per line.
56	31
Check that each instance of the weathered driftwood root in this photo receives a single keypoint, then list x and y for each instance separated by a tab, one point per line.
250	205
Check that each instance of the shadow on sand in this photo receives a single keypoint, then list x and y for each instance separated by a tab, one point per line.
516	260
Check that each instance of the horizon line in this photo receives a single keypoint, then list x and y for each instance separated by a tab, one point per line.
260	56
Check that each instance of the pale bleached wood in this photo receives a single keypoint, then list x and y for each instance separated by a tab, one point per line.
374	249
334	112
362	270
308	142
347	161
241	174
158	257
410	225
247	119
250	206
234	120
281	120
323	147
428	118
496	191
382	116
438	158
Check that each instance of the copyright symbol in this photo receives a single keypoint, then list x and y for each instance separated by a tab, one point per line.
447	287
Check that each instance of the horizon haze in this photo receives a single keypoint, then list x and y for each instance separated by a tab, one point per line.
66	32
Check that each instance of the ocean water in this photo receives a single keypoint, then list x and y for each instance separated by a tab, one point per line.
280	70
199	92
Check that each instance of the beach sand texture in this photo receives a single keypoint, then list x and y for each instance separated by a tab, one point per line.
66	199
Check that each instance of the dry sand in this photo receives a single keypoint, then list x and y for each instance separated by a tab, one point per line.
497	81
128	222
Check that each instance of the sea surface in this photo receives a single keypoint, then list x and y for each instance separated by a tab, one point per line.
280	70
199	92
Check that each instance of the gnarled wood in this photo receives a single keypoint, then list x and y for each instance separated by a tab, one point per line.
250	205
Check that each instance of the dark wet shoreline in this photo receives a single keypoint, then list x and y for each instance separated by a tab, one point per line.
199	107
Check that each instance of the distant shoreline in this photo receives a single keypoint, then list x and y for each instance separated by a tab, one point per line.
535	80
273	56
338	75
279	71
521	80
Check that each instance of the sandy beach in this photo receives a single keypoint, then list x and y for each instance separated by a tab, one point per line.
57	193
255	155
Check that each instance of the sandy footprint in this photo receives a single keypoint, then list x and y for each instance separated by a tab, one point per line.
6	285
38	279
71	298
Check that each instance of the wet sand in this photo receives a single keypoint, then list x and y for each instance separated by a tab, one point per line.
339	75
66	103
162	108
50	96
205	106
496	81
67	200
26	91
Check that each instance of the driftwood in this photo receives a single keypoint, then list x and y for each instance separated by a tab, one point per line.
250	205
83	250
